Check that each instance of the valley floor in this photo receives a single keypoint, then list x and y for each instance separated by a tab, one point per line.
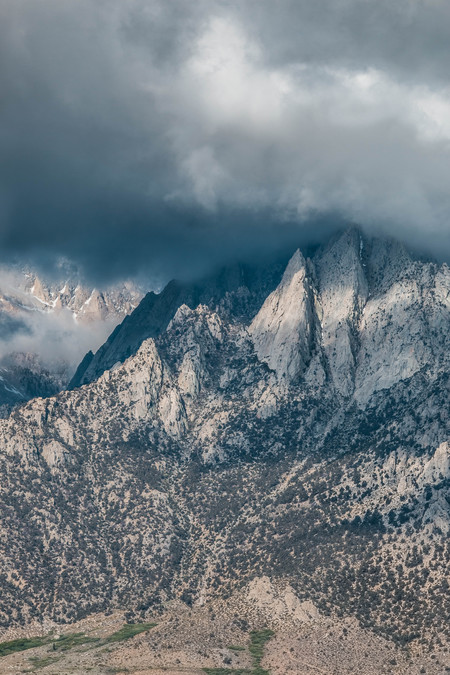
222	638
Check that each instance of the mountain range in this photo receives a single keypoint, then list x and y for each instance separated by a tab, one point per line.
44	322
286	423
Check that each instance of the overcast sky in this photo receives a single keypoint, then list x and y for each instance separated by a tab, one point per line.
166	136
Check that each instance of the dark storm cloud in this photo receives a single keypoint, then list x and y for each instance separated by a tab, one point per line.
407	38
142	135
11	327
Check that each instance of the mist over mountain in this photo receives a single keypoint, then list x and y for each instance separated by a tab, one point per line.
47	324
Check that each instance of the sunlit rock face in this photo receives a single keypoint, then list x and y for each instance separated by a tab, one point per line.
283	330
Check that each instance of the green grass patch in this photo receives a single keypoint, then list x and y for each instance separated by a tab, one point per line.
258	639
71	640
63	643
21	644
66	642
128	631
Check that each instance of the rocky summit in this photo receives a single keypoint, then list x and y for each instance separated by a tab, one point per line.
272	439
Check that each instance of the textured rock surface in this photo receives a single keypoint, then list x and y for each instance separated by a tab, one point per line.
343	292
282	331
295	429
279	606
238	292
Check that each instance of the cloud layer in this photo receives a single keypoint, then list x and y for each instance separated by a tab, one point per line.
166	136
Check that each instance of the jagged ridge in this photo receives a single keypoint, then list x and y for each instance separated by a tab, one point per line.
301	435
